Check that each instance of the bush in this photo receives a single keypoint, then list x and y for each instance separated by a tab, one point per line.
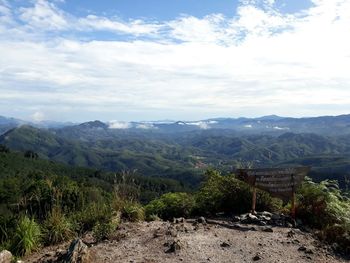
152	217
102	231
132	211
27	237
223	194
92	214
171	205
324	207
57	227
227	194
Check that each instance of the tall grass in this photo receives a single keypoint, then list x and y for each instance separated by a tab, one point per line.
27	237
57	227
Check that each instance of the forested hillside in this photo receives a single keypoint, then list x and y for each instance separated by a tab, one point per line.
182	156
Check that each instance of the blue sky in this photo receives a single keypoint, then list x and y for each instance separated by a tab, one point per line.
161	10
184	59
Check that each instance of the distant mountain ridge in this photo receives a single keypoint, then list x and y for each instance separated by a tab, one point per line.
325	125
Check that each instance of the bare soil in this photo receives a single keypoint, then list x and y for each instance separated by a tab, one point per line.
218	241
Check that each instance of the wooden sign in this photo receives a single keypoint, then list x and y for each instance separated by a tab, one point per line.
279	182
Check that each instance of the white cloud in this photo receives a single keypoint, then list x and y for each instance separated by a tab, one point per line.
119	125
136	27
259	62
201	124
44	15
145	126
38	116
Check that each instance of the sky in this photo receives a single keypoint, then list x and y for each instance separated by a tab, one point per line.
79	60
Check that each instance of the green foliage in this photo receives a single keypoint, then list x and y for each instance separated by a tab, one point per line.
91	215
132	211
171	205
227	194
102	230
4	149
27	237
152	217
57	228
324	206
223	194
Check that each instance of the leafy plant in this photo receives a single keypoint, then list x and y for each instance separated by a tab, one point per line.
57	228
323	206
171	205
103	230
92	214
27	237
133	211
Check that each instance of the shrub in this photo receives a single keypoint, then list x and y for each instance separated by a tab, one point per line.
57	227
171	205
223	194
152	217
102	230
265	202
132	211
227	194
92	214
27	237
324	207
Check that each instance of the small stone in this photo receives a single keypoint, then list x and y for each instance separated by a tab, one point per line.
256	257
267	214
174	246
225	244
5	256
268	229
236	219
302	248
201	220
309	251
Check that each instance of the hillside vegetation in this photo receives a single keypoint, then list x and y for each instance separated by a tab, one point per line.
183	156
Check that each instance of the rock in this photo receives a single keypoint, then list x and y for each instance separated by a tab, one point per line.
179	220
77	252
302	248
267	214
309	251
201	220
275	217
268	229
225	244
236	219
173	247
291	233
265	218
256	257
243	227
5	256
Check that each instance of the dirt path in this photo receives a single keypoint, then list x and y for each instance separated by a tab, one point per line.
215	242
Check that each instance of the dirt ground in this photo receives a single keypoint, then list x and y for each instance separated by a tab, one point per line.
217	241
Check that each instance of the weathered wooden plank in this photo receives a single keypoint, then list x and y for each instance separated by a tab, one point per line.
280	182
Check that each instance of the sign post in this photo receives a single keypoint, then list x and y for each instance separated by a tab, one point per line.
279	182
254	200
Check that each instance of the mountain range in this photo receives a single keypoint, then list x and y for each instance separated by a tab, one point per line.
183	150
325	125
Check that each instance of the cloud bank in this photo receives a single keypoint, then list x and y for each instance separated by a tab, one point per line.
258	61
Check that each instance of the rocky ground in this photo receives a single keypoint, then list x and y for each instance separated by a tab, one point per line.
245	240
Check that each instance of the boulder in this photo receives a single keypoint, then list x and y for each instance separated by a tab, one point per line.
202	220
78	252
5	256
